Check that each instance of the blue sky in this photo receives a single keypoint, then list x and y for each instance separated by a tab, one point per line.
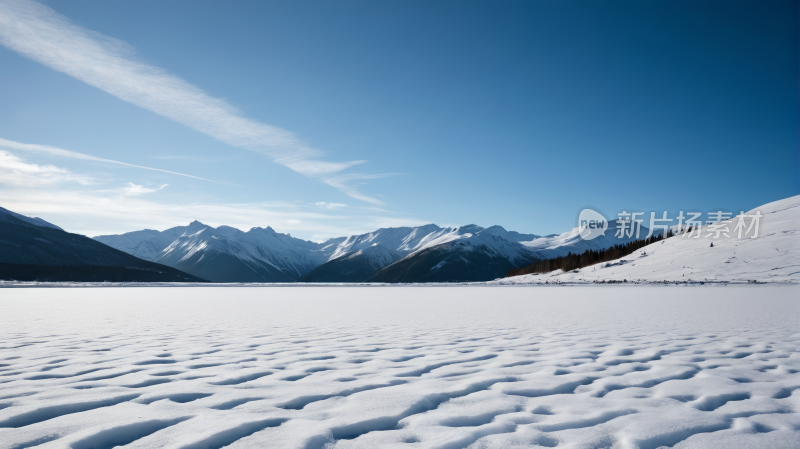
323	118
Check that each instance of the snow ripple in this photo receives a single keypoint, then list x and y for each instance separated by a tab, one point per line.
583	367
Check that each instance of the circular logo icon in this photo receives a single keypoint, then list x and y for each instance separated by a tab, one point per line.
591	224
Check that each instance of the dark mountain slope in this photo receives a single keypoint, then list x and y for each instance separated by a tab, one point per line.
221	266
25	246
15	218
456	261
355	266
90	273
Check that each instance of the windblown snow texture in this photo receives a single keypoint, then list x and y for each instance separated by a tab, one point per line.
314	367
30	252
773	256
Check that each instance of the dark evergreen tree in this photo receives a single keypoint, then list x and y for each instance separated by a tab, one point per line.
589	257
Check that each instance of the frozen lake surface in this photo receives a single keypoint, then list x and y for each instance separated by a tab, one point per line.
440	367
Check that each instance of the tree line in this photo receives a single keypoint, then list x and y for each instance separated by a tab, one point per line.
589	257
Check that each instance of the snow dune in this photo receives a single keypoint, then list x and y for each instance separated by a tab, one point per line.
306	368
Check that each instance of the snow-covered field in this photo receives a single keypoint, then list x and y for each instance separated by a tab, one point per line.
590	367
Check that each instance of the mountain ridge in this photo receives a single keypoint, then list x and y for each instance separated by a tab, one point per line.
226	254
8	216
465	253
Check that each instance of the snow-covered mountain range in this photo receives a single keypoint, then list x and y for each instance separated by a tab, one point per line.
226	254
426	253
773	256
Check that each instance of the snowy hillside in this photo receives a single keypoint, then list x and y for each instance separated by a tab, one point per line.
774	256
148	244
129	242
495	238
400	240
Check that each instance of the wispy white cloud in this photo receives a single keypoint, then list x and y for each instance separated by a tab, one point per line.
54	151
193	158
315	168
132	189
14	171
344	183
97	213
41	34
53	193
330	206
